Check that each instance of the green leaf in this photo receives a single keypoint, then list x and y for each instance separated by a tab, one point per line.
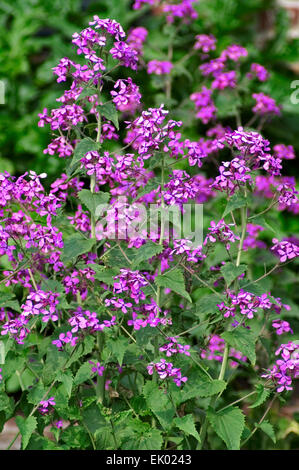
236	202
26	427
75	246
36	393
93	418
208	304
227	104
87	91
186	424
2	352
93	200
146	252
105	275
208	388
268	429
174	280
145	335
83	374
118	347
84	146
108	110
159	403
54	363
243	340
262	394
228	425
67	379
9	301
230	271
198	385
150	440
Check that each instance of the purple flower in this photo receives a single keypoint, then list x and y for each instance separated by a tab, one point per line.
166	370
205	43
159	67
265	104
45	404
285	250
258	71
127	56
97	368
282	326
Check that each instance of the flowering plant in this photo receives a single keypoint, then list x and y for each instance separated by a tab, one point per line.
124	334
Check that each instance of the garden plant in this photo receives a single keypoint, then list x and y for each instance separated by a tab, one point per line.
146	291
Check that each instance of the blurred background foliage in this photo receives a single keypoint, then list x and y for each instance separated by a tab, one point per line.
35	34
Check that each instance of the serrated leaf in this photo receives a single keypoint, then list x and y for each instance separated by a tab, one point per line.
118	348
174	280
208	304
186	424
228	425
26	427
93	418
2	352
87	91
108	110
84	146
105	275
262	394
268	429
146	252
198	385
83	374
36	393
75	246
230	272
236	202
150	440
208	388
159	403
93	200
243	340
67	379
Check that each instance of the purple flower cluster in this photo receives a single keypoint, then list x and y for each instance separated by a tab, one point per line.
205	107
173	347
233	174
41	303
285	250
165	370
126	95
281	326
159	67
136	38
286	368
259	72
221	232
45	404
246	303
205	43
130	282
215	351
265	104
97	368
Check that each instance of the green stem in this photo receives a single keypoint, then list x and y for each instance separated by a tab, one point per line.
260	421
243	234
